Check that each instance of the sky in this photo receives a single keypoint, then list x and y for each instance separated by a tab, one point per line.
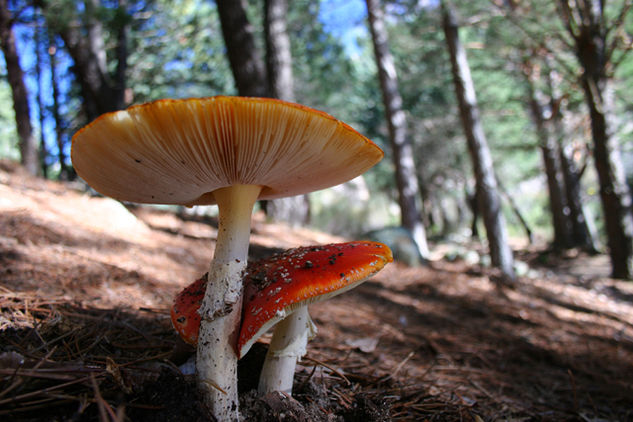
345	20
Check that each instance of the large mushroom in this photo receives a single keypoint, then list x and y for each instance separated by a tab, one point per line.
228	151
278	291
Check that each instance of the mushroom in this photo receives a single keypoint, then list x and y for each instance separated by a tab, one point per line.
229	151
278	291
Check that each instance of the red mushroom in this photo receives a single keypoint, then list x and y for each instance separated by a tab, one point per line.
278	290
277	286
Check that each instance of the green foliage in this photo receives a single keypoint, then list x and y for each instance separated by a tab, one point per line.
177	51
325	77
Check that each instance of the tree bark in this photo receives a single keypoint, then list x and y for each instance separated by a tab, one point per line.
246	63
120	79
278	53
27	144
489	202
294	210
402	150
586	24
582	234
614	192
473	204
551	161
40	42
64	172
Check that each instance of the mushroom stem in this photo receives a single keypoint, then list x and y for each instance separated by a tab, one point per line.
220	311
288	344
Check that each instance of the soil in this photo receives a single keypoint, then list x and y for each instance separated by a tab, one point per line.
86	284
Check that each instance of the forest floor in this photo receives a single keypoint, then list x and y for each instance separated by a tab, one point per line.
86	285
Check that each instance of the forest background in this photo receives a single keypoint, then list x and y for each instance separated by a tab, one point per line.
552	107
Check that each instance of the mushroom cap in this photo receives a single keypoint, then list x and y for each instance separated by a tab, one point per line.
184	311
282	283
180	151
277	286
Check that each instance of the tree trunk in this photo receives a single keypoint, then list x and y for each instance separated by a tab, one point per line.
278	53
582	234
64	171
27	144
473	204
294	210
614	192
246	63
101	91
551	160
586	24
40	42
402	150
489	202
120	78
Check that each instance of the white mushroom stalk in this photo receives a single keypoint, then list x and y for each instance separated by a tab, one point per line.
220	312
288	345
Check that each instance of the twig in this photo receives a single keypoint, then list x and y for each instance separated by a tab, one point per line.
483	390
147	358
399	367
44	390
336	371
46	404
344	399
572	380
20	380
55	340
100	402
302	385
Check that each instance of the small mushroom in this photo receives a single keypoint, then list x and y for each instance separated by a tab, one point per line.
278	291
229	151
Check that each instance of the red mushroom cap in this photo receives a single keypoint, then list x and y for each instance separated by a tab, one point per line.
184	312
277	286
